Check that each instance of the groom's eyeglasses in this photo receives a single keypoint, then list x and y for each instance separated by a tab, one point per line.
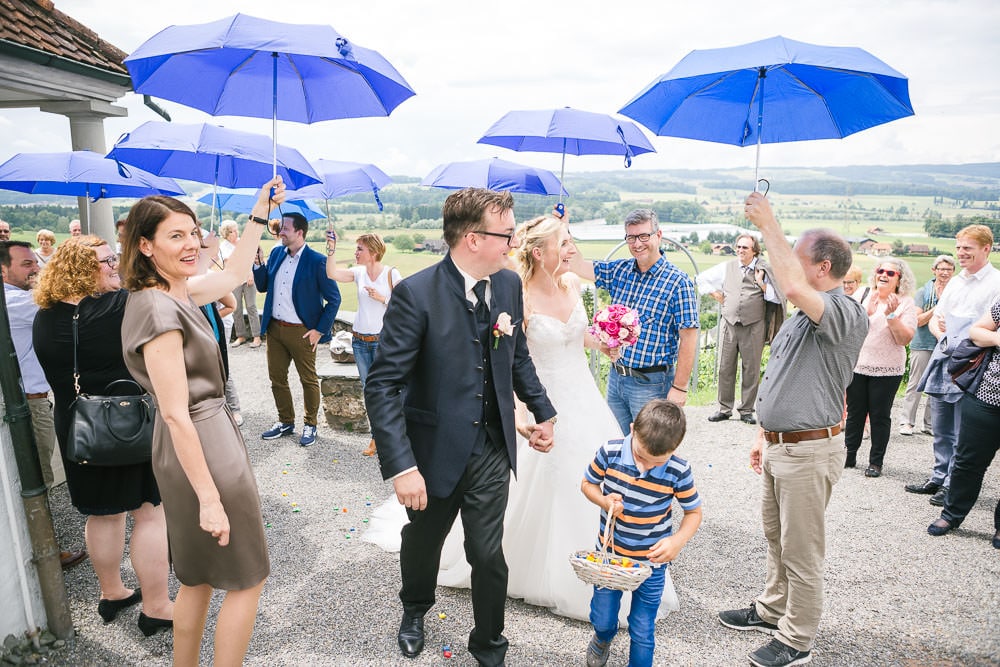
508	237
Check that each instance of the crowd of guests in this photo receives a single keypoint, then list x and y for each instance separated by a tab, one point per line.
154	310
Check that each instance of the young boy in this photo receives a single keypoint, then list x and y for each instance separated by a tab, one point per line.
637	479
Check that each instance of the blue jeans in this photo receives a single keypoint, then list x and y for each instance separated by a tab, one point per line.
627	395
604	606
946	418
364	355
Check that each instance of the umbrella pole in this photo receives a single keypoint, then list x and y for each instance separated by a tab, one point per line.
274	116
761	75
562	171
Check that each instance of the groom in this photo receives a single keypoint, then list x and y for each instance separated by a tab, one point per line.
440	396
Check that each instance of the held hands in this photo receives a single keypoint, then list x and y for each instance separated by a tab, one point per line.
411	491
541	437
613	504
213	519
665	550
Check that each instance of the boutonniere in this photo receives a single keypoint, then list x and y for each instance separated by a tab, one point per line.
503	327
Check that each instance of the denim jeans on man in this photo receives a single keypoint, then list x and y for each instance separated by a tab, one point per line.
604	607
627	395
364	355
947	420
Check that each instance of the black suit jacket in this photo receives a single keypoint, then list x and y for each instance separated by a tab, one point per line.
423	392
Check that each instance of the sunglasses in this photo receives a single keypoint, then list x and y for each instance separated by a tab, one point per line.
888	272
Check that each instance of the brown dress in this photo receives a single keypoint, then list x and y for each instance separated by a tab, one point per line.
196	556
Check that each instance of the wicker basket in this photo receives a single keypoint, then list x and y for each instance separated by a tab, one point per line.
604	570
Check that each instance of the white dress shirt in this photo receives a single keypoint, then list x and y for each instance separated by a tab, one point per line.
21	309
284	308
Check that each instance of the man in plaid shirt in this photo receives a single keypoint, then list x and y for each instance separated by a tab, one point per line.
660	363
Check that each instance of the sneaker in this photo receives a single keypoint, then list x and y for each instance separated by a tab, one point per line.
926	431
906	429
746	619
598	652
778	654
279	430
308	435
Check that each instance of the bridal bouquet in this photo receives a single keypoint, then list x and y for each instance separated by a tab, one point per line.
616	326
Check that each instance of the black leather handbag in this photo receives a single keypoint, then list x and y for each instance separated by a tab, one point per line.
967	365
113	429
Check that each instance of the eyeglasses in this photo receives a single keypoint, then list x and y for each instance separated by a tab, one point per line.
508	237
945	267
850	282
111	261
888	272
641	238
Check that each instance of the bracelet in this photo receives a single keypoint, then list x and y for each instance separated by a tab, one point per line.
259	221
679	389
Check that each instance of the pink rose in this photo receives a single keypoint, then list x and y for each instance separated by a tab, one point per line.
612	328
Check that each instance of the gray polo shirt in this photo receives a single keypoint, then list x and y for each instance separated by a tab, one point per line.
811	365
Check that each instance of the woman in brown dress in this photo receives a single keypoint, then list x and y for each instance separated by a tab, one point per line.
199	457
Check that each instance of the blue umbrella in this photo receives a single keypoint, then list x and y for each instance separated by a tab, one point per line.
569	131
210	154
343	178
494	174
80	174
807	91
228	67
240	202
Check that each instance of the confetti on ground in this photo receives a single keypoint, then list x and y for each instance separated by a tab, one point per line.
284	495
296	510
442	615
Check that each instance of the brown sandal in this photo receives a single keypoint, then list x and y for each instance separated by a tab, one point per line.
370	451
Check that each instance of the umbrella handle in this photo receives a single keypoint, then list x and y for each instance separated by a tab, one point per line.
767	186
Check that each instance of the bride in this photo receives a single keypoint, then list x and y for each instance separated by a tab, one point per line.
547	515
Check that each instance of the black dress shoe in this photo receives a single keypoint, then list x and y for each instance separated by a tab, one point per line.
748	419
411	635
938	498
873	471
150	626
70	558
927	488
108	609
719	417
851	460
939	527
996	540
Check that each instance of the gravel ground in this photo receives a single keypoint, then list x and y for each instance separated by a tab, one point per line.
895	596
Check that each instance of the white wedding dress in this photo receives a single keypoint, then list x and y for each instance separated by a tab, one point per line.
548	516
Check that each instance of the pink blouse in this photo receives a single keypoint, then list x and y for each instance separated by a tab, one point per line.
881	355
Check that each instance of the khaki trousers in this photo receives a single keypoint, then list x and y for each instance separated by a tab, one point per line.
798	481
747	342
45	438
285	344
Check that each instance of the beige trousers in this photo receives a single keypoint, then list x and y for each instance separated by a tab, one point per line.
798	481
45	438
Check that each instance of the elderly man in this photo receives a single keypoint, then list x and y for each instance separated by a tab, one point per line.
660	363
75	228
299	310
744	286
801	407
963	301
4	230
19	267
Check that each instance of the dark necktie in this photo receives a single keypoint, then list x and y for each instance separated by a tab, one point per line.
482	308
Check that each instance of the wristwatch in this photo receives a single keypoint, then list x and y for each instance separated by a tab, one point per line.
891	316
259	221
553	419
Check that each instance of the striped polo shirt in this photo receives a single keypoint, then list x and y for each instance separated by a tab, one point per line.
647	496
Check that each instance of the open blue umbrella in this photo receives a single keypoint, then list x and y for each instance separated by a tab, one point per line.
569	131
210	154
494	174
243	202
80	174
807	92
343	178
246	66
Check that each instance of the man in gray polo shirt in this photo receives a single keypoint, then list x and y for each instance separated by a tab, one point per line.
801	406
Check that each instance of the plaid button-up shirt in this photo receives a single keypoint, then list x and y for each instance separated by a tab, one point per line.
665	299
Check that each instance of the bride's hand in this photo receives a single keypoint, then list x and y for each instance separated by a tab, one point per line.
524	430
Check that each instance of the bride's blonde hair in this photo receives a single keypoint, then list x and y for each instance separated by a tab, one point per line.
536	233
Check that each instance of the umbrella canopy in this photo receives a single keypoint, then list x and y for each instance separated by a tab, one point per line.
80	174
568	131
494	174
246	66
240	202
210	154
770	91
343	178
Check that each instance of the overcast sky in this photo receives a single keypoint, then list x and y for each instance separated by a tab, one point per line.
470	62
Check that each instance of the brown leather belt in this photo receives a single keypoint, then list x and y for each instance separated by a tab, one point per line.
799	436
44	394
282	323
366	338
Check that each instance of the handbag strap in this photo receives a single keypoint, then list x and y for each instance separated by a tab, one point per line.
76	342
